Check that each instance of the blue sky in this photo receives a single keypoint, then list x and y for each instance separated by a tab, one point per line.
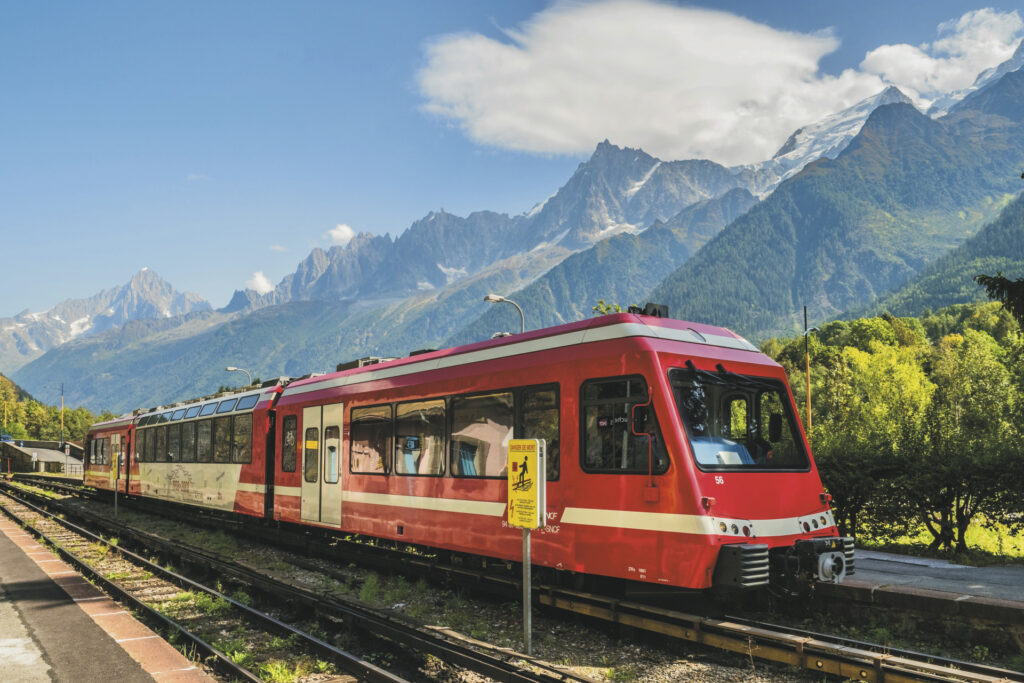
212	141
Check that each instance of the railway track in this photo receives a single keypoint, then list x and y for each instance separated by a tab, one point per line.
496	664
815	652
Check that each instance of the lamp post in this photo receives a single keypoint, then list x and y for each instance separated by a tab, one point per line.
232	368
495	299
807	369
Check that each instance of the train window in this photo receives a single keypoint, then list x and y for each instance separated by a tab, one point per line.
227	405
192	412
419	438
539	420
151	445
247	402
165	417
332	453
161	444
208	409
609	445
188	442
222	439
242	451
311	457
481	428
370	435
178	414
173	443
139	436
288	444
737	421
204	441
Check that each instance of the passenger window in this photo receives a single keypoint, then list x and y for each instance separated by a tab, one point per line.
222	439
227	405
173	443
481	428
151	445
288	445
242	451
332	453
311	459
208	409
539	420
188	442
161	444
419	438
192	412
608	444
247	402
369	439
204	441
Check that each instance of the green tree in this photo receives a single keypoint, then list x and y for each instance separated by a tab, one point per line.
1009	292
966	464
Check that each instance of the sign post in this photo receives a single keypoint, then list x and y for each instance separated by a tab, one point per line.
527	506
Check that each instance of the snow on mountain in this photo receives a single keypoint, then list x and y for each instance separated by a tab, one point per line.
943	104
823	139
147	295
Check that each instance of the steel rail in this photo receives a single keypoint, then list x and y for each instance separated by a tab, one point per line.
843	657
352	663
427	641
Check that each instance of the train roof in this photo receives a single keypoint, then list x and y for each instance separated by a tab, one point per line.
601	328
201	406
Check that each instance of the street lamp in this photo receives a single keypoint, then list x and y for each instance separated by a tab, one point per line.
232	368
495	299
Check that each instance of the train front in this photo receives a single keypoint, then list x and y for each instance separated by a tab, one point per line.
753	476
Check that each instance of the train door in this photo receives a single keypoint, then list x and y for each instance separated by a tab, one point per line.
115	448
321	464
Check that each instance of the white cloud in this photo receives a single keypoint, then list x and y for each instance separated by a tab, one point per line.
278	247
967	46
259	282
340	234
680	82
192	177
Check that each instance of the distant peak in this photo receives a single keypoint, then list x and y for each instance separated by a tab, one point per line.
892	94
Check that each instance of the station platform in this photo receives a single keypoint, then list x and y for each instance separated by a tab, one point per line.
56	626
1000	583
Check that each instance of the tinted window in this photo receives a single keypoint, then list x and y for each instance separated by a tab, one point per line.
151	445
226	406
608	444
222	439
208	409
419	437
481	428
204	441
192	412
311	459
173	443
247	402
288	444
332	454
188	442
161	444
370	439
242	451
539	420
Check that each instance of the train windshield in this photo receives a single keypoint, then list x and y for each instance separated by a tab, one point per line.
737	422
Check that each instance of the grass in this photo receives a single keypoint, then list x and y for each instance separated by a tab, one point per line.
995	546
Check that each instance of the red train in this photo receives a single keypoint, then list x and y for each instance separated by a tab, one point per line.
675	455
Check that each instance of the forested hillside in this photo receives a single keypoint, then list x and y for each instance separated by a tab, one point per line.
844	232
998	247
25	418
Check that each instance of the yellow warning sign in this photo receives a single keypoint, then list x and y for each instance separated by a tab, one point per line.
526	483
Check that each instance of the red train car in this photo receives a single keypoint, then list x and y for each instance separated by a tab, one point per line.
675	455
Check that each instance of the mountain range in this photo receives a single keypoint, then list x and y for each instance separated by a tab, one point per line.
873	206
